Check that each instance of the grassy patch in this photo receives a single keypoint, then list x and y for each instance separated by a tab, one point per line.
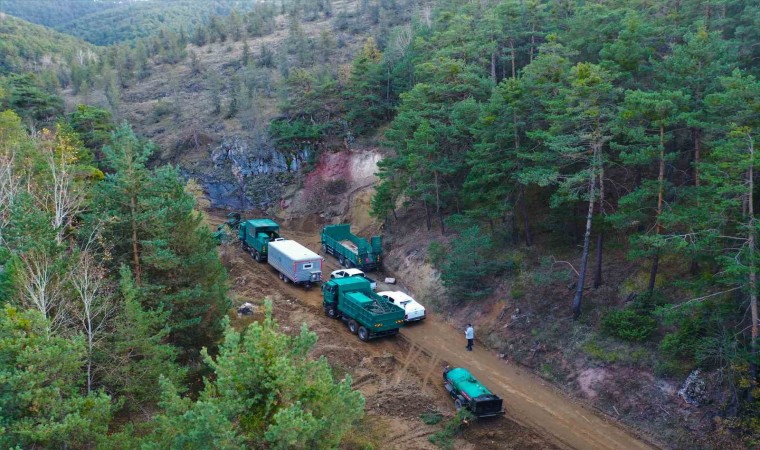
451	428
596	351
431	417
367	434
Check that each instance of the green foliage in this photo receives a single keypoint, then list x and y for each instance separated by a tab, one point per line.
471	261
266	390
629	325
151	220
136	354
24	46
451	428
436	253
94	126
41	402
682	344
26	97
431	417
595	350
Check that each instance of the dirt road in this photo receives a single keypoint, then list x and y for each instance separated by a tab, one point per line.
528	401
400	389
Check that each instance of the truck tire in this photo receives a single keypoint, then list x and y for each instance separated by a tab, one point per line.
353	327
342	261
331	312
363	334
350	264
458	404
256	255
324	249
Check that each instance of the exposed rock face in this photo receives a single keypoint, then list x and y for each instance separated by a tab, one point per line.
247	173
247	158
694	389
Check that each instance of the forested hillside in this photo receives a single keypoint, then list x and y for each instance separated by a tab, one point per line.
110	21
582	173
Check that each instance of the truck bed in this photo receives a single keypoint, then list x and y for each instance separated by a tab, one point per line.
372	311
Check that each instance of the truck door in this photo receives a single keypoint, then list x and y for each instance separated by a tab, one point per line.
330	293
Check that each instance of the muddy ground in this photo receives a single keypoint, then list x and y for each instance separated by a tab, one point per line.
401	377
400	382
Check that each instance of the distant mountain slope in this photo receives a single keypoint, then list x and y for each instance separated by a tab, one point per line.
108	22
55	13
28	47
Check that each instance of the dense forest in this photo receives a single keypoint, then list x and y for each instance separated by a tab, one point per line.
108	22
544	141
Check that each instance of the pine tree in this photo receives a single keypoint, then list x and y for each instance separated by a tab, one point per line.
151	221
266	391
41	401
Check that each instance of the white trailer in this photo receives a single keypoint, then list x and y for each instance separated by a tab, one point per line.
294	262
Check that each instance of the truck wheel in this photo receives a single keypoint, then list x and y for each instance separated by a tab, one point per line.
342	261
331	312
363	334
324	249
350	264
256	255
353	327
458	404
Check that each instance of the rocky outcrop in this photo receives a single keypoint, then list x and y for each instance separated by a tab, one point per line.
247	173
694	389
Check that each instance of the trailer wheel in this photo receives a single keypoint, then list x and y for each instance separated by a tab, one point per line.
363	334
331	312
458	404
353	327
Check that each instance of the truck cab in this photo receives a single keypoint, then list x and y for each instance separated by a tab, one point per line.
255	236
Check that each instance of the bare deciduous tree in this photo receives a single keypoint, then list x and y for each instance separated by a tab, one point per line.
94	307
9	189
41	287
63	196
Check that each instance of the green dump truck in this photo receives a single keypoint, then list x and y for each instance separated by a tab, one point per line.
467	392
367	314
351	250
255	236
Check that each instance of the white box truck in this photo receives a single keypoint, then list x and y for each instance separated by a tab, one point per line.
294	262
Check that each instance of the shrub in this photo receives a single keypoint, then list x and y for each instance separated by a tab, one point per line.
431	417
629	325
593	349
445	438
436	253
683	343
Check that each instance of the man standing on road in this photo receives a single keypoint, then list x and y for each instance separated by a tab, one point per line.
469	334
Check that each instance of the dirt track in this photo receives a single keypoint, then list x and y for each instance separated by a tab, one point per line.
400	378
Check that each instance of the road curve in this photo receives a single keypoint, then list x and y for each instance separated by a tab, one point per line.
528	401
